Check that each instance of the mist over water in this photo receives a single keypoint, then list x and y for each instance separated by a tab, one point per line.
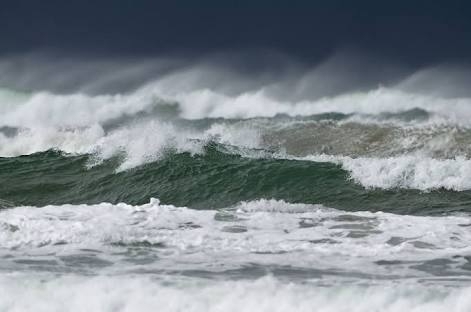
217	182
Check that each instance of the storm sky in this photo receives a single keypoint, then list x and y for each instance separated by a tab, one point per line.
416	33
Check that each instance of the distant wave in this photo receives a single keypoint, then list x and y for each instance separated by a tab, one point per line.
45	108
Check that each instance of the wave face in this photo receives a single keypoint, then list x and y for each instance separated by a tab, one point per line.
206	189
215	179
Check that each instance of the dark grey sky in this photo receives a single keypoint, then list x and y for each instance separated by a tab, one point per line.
413	32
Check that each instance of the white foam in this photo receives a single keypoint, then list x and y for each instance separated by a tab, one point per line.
411	172
25	293
243	234
408	171
345	247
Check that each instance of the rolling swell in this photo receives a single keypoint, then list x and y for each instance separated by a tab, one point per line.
209	180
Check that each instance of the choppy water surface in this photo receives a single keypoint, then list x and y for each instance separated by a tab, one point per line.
203	201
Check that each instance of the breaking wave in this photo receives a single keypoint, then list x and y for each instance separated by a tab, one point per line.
284	189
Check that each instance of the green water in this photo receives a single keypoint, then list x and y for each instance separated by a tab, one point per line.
210	180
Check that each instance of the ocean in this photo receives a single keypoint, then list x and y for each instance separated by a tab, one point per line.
171	197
